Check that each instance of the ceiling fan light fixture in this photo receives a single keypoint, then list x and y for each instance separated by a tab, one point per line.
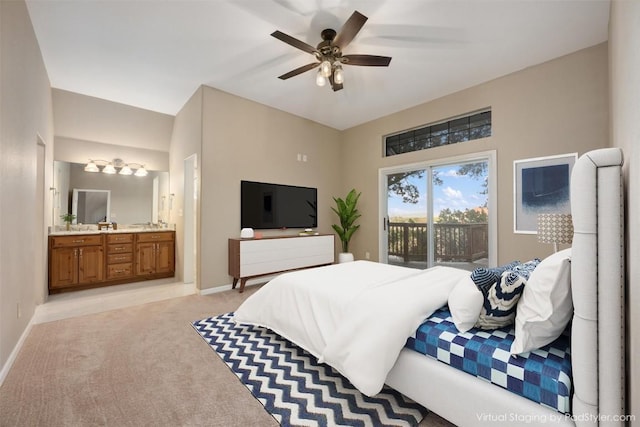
325	68
320	79
328	54
338	75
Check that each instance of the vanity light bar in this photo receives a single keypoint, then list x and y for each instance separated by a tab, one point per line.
110	169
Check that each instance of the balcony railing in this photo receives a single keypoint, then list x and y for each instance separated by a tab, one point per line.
452	242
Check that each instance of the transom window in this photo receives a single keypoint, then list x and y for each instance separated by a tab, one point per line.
471	126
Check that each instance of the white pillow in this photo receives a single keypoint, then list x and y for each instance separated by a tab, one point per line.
465	303
545	308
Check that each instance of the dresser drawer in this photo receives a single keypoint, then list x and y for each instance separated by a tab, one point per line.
115	271
121	248
119	258
78	240
155	237
119	238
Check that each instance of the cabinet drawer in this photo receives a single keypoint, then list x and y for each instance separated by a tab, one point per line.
122	248
79	240
119	258
119	270
155	237
119	238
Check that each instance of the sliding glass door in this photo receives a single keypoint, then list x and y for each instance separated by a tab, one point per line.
438	213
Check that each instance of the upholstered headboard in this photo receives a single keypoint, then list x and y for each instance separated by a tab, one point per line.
597	276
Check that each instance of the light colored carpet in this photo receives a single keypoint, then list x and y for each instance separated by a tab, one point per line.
140	366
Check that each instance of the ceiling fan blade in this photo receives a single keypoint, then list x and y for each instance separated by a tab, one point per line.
294	42
367	60
350	29
299	70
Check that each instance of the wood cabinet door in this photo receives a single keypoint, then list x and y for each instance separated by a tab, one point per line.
90	264
64	267
145	259
165	260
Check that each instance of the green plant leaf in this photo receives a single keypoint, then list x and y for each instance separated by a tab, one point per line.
348	214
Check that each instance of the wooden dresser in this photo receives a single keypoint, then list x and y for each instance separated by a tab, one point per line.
82	261
249	258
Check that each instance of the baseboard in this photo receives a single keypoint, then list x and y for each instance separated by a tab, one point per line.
14	354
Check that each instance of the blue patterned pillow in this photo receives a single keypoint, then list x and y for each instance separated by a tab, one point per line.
526	268
501	296
500	301
484	278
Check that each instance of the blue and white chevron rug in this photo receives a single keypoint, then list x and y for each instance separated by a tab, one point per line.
293	387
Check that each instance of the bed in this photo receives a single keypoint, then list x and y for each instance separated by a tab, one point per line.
328	312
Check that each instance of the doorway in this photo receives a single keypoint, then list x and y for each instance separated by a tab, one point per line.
439	213
191	190
41	223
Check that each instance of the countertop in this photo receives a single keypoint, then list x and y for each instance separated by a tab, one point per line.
119	230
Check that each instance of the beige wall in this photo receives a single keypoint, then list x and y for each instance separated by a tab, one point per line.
557	107
186	140
624	41
87	118
243	140
25	116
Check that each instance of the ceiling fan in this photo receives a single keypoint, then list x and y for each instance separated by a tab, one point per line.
329	55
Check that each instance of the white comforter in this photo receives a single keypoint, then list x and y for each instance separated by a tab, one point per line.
355	316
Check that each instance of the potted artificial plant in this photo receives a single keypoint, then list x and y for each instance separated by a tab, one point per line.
68	219
347	212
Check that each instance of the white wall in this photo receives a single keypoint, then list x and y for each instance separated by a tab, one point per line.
25	115
92	119
624	60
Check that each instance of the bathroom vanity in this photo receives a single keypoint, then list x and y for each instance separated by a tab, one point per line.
82	260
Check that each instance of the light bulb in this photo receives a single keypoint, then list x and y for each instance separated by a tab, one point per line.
320	79
126	170
338	75
109	169
91	167
141	172
325	68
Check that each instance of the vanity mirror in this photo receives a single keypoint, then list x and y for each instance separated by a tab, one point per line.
94	197
91	206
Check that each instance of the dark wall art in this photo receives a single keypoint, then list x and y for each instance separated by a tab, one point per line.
541	185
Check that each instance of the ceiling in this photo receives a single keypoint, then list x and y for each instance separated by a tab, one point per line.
154	54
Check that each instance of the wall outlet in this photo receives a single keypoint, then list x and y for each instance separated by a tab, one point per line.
367	255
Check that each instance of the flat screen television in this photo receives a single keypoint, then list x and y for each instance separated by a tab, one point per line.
266	206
